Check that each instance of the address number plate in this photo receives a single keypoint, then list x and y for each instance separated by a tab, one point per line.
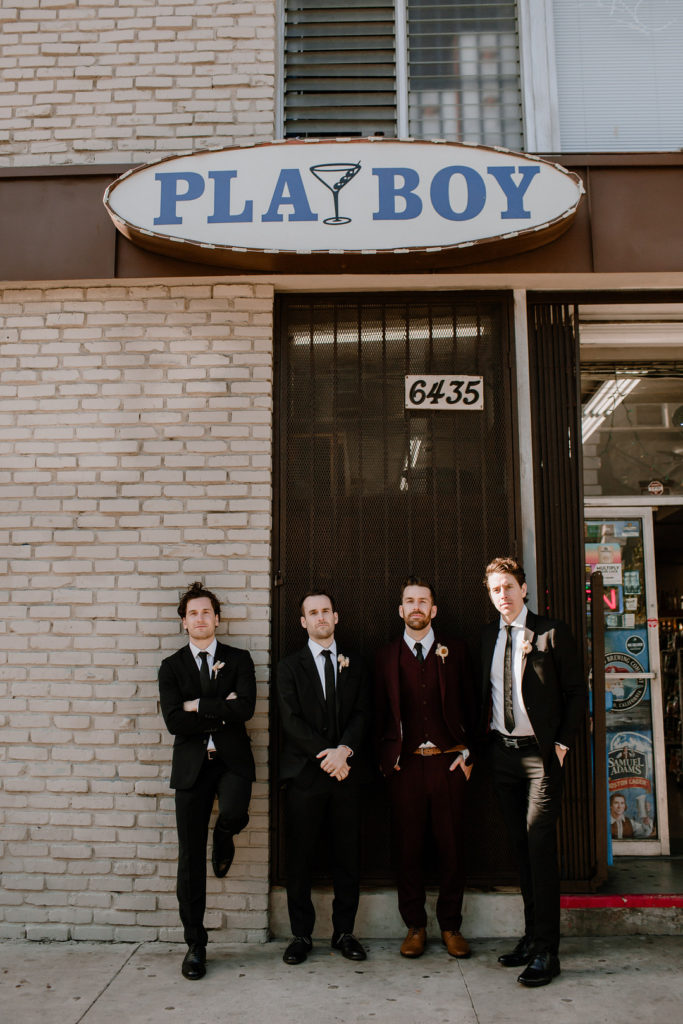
434	391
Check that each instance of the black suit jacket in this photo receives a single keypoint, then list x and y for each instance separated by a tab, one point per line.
223	719
553	686
457	699
304	717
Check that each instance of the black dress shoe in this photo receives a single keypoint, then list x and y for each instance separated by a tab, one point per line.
349	946
297	950
194	964
540	971
519	956
222	855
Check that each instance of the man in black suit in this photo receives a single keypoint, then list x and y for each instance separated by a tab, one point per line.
207	692
324	701
534	696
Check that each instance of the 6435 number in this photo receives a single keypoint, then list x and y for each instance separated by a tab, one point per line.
434	391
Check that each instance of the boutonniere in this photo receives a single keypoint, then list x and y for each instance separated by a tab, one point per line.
342	661
527	647
217	666
442	652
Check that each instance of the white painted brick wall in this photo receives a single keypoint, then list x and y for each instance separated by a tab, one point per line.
110	81
135	455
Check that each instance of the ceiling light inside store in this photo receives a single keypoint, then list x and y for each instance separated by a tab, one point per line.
606	399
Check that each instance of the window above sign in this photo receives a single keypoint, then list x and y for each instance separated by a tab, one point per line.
418	68
546	76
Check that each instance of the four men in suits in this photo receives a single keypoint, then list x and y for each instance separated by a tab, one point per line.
534	697
424	725
207	691
324	700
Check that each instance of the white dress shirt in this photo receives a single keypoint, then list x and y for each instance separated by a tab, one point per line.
426	641
211	651
316	650
523	726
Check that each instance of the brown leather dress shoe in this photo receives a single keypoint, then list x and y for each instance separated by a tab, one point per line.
456	944
414	943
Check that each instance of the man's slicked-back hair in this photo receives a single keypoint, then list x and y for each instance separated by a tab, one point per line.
417	581
317	592
508	564
198	590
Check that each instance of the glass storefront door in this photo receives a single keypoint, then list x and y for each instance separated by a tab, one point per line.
619	544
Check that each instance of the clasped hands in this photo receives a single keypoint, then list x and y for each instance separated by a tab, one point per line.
334	761
193	705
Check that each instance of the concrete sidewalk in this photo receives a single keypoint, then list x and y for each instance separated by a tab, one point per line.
639	978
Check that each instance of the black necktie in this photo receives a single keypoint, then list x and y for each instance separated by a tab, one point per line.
418	651
508	710
330	699
204	675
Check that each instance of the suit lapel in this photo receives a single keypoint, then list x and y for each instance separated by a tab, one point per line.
311	675
441	669
488	646
222	654
394	678
530	634
190	666
340	688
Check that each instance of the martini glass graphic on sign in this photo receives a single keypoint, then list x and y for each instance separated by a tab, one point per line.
334	177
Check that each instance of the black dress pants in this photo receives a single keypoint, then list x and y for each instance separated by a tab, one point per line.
325	808
193	810
530	800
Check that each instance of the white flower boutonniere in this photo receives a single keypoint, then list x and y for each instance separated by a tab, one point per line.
527	647
442	652
342	661
217	666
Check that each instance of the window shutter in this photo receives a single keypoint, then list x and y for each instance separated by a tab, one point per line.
340	70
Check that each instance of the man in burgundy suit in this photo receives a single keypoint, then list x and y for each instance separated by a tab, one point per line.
424	721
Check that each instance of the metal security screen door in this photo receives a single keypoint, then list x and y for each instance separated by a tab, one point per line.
368	491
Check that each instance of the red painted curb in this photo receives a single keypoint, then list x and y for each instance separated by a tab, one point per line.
596	902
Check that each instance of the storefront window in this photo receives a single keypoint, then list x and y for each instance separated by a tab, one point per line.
632	425
615	547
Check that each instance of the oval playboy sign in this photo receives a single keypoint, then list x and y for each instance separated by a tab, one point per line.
355	197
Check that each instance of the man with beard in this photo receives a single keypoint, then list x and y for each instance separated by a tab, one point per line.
324	701
424	721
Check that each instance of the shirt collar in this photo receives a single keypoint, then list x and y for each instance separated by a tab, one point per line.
210	650
519	623
426	641
316	648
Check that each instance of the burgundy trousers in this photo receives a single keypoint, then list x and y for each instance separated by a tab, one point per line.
428	804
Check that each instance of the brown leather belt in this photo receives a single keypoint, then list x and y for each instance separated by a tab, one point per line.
211	754
430	751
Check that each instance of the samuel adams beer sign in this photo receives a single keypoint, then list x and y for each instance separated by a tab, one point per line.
349	203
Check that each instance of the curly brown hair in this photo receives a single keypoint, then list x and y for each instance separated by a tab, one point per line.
198	590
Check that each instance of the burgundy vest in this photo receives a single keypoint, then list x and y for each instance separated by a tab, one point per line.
421	709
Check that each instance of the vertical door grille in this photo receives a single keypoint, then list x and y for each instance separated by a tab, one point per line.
369	492
556	428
